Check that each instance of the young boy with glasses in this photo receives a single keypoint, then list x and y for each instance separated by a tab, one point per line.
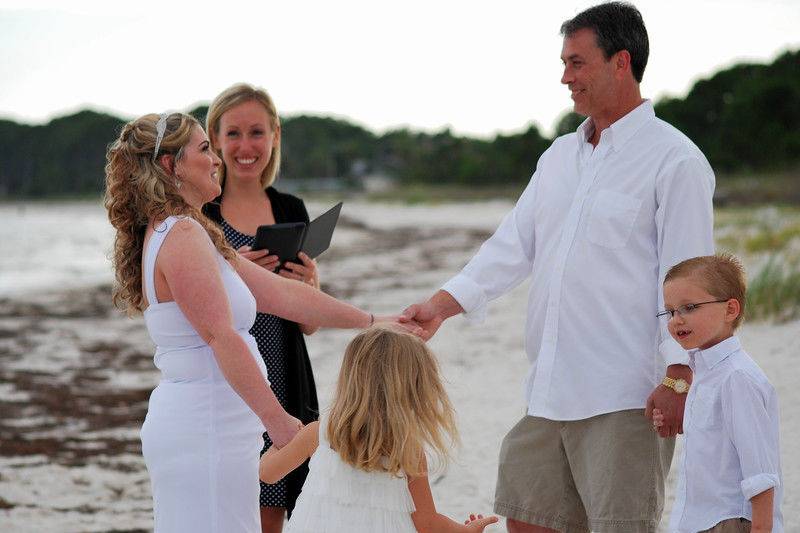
730	476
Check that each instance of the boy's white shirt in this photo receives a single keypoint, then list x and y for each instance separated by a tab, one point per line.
731	440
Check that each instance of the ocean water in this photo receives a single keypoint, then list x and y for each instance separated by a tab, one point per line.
61	245
52	245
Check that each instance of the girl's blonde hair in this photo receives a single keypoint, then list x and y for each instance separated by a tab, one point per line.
231	97
138	190
722	276
390	404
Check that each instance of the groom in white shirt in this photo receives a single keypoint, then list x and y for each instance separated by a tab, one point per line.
609	209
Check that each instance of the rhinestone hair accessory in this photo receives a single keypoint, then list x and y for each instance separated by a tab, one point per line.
161	127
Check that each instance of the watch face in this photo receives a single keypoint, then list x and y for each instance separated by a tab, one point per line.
681	386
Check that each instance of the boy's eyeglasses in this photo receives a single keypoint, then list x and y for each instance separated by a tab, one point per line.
686	309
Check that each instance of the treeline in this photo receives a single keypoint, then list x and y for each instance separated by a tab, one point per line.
745	118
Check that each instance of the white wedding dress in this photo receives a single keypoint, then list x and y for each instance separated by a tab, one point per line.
200	440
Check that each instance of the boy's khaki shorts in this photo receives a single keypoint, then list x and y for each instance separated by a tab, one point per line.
604	473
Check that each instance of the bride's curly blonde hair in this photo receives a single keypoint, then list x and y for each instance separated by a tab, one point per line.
140	191
390	404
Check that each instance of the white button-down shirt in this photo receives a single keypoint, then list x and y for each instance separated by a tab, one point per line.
731	449
597	228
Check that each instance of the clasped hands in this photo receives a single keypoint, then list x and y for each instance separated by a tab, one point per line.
420	319
414	318
665	406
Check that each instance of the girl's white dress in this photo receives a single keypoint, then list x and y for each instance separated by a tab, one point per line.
200	441
338	498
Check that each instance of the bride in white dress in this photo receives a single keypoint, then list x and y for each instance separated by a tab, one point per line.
202	435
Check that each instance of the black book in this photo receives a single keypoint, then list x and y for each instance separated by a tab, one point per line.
288	239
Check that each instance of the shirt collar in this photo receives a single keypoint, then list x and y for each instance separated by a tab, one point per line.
717	353
585	131
623	129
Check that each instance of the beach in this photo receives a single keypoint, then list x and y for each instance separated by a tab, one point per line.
76	374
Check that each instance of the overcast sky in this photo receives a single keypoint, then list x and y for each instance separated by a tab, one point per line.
477	67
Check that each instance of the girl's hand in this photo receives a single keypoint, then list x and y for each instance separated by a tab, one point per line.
477	523
306	272
260	257
658	419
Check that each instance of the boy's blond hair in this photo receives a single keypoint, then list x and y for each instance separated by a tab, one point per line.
722	276
390	404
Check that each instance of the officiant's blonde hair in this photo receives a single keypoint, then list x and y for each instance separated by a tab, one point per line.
231	97
390	404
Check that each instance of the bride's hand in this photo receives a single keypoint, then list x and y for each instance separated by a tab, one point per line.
409	325
282	429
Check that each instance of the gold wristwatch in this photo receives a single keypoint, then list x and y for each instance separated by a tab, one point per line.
681	386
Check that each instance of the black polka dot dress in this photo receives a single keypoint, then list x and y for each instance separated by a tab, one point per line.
270	334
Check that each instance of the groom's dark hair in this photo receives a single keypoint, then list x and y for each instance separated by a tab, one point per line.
617	26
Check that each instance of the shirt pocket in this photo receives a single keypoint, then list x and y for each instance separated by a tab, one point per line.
612	218
704	412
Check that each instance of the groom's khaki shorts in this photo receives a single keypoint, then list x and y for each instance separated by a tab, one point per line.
604	474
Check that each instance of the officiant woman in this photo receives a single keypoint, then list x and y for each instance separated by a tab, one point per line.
245	131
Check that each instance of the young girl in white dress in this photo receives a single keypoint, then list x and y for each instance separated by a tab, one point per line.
368	471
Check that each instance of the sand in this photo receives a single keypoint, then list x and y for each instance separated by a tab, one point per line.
75	375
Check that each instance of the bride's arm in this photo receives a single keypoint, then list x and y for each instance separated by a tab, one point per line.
297	301
188	263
